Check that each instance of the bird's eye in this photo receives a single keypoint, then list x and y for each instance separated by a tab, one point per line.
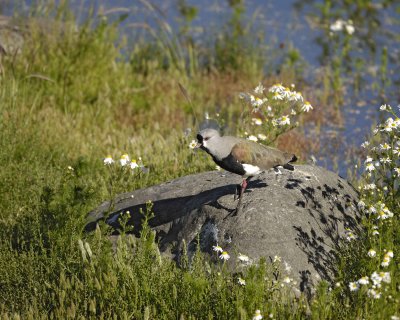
205	139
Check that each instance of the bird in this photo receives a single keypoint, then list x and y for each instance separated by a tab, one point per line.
241	156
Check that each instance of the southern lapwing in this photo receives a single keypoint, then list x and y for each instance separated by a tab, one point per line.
241	156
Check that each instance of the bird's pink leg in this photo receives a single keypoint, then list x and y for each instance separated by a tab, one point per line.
242	189
244	186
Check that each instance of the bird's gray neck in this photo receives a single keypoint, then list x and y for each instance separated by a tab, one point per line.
221	148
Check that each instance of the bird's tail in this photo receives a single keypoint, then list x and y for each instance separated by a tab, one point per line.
294	158
288	166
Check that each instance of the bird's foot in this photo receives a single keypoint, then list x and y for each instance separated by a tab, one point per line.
234	212
237	210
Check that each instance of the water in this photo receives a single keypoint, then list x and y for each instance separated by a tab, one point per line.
305	26
302	25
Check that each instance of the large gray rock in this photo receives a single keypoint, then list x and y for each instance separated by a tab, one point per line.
11	36
300	216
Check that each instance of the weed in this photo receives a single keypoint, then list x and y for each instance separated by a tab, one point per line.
70	97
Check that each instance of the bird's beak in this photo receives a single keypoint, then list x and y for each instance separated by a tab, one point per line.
199	144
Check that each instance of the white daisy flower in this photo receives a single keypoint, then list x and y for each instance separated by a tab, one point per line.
277	96
262	136
259	89
363	281
277	88
369	159
193	144
284	120
371	253
277	259
349	28
288	268
349	235
353	286
241	281
370	167
286	280
108	160
361	205
287	93
365	144
296	96
385	276
376	278
224	256
257	102
217	249
338	25
243	258
386	160
256	121
385	213
389	125
370	186
133	165
306	107
385	262
257	315
124	160
373	294
385	146
385	107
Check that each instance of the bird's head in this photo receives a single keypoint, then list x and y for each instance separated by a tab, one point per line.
207	138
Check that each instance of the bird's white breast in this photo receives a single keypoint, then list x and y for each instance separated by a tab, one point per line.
250	169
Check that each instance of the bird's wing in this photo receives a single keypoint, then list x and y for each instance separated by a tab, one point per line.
259	155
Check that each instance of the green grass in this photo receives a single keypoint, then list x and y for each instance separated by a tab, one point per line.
69	99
